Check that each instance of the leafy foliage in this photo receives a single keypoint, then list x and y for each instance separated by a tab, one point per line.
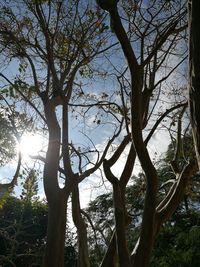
23	226
7	141
178	242
30	187
22	232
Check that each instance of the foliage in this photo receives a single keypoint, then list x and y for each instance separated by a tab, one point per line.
23	226
30	187
179	238
7	140
23	230
178	242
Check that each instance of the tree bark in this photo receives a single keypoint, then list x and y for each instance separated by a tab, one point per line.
55	244
194	77
120	224
83	256
110	256
56	197
118	240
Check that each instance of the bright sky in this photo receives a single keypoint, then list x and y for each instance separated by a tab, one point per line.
30	145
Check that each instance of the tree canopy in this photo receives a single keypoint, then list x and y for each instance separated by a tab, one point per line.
104	85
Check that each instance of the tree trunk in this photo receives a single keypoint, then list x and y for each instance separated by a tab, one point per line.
194	63
56	197
54	252
142	252
110	256
120	225
83	255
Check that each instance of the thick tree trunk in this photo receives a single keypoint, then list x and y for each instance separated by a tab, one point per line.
54	252
194	76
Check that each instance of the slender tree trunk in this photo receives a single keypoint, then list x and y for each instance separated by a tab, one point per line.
194	76
120	225
83	255
110	256
56	197
142	252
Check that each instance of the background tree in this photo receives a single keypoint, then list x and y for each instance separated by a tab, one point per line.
23	227
14	124
194	81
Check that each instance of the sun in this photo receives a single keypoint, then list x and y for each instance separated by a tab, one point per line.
31	145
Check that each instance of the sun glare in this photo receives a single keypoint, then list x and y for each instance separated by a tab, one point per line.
31	145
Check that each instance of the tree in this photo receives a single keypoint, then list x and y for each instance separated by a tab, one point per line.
23	229
153	216
194	81
179	227
57	46
181	231
23	225
13	126
53	41
100	230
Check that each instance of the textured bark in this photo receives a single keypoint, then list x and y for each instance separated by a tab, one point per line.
194	63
